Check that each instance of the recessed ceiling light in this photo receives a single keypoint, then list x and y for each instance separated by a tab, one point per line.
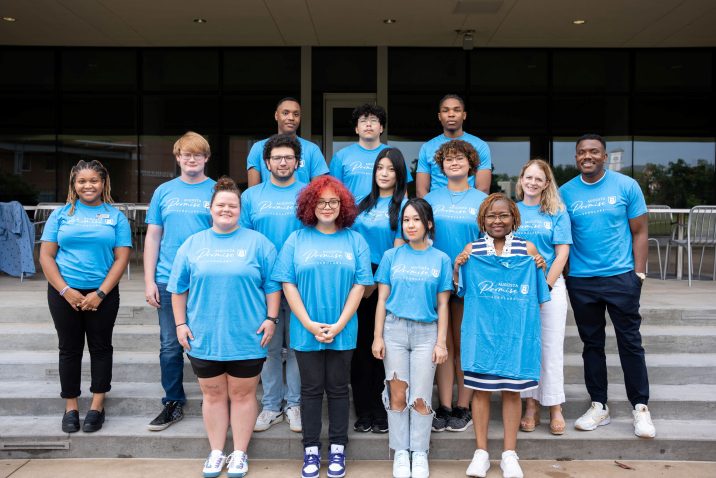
579	22
199	20
389	21
9	19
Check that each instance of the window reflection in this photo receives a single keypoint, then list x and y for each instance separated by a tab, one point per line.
27	169
508	156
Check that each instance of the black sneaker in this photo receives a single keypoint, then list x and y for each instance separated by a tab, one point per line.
171	414
93	421
363	424
71	421
440	420
380	425
459	421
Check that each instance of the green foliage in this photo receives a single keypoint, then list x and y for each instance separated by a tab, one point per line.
678	184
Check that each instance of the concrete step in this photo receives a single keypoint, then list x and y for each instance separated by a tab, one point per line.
657	339
665	369
126	437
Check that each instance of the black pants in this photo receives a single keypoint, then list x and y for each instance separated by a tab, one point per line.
72	326
324	371
620	295
367	372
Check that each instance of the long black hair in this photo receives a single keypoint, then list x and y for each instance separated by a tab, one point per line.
370	201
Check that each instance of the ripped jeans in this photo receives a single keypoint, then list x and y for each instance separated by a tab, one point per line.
408	358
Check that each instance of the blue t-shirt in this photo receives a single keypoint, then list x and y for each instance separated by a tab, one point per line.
415	279
427	164
86	242
501	331
324	268
600	216
228	277
353	166
180	209
455	217
544	230
271	210
312	162
374	226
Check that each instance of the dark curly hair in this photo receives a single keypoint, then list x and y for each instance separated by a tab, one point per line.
307	202
458	146
487	204
280	140
367	110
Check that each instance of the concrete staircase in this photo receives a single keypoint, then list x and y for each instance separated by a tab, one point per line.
679	333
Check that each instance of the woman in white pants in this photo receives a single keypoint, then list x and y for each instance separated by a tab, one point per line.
545	223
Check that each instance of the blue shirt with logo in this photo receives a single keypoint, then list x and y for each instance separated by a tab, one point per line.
600	215
312	162
415	279
427	164
455	217
544	230
374	226
86	242
271	210
228	277
180	209
324	268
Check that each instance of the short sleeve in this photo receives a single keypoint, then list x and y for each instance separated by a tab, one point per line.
253	160
318	162
445	275
268	260
336	167
52	226
562	233
154	213
284	269
423	161
408	176
364	272
122	232
636	205
245	215
485	157
382	275
543	294
180	276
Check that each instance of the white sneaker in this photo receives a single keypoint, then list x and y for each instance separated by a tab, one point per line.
479	465
401	464
214	464
510	465
266	419
420	469
643	427
595	417
293	417
238	464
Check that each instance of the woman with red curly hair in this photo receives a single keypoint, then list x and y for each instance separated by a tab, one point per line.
324	269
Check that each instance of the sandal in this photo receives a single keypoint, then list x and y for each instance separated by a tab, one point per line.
529	423
556	426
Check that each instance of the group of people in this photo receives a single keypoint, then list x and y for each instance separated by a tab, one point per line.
354	286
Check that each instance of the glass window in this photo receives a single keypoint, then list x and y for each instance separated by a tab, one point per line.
427	69
27	171
180	69
673	70
263	69
673	115
115	114
508	70
414	115
343	69
163	114
508	157
22	113
506	115
239	147
576	115
591	70
99	69
27	69
252	114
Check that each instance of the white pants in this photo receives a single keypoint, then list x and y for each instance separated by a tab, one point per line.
554	317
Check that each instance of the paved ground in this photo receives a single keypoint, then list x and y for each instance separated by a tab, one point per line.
138	468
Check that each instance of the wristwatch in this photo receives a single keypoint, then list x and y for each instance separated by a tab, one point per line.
100	294
641	276
275	320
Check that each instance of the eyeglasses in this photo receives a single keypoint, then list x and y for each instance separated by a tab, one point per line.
188	156
288	158
459	157
495	217
331	203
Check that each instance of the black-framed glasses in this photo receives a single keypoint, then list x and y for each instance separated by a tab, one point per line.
287	157
331	203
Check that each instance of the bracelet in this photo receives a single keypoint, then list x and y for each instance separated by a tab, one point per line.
183	323
62	292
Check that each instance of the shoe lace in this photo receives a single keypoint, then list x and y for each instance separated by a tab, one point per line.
217	458
402	459
237	457
311	459
420	459
336	458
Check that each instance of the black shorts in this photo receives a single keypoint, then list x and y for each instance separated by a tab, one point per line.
236	368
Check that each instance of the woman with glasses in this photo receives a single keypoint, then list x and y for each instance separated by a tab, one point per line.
324	269
85	250
455	210
378	223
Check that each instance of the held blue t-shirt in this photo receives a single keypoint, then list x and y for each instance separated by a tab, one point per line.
501	328
600	215
353	166
544	230
427	164
312	162
271	210
324	268
180	209
86	242
374	226
415	279
228	277
455	217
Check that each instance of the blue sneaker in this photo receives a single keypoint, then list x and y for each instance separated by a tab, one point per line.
336	462
311	462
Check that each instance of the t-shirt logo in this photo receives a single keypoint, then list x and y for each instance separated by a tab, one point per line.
473	211
349	256
301	163
612	199
241	252
435	273
524	289
547	225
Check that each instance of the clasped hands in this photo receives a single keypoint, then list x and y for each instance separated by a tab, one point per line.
324	333
77	301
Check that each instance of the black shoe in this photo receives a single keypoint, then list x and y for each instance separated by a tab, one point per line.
363	424
440	420
459	421
380	425
93	421
172	413
71	421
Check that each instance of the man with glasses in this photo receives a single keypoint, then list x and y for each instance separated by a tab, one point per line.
178	209
270	208
311	162
428	177
353	165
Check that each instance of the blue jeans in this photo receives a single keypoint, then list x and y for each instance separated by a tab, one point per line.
171	353
409	357
272	374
